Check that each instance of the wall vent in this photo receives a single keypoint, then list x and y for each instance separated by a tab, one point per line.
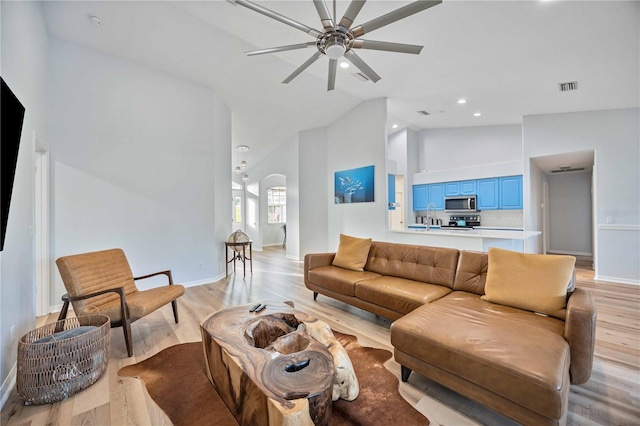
571	85
360	76
423	112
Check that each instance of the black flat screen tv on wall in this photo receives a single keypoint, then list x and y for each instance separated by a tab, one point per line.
11	118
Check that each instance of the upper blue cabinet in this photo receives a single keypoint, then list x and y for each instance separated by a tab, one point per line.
468	187
436	195
510	192
420	197
494	193
488	194
451	189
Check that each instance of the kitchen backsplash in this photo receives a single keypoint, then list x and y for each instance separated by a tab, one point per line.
498	218
502	218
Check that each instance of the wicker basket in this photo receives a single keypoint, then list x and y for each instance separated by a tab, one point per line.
53	371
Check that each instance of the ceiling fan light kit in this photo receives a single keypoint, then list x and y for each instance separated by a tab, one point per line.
339	40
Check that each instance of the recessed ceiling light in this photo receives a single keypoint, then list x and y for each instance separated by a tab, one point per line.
477	114
462	101
344	65
395	126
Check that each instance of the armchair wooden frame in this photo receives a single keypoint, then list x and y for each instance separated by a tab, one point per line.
125	322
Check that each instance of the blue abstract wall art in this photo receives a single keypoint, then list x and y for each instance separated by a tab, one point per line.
354	185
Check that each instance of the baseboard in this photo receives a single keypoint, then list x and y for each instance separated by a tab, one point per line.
203	281
571	253
295	258
617	280
57	308
7	385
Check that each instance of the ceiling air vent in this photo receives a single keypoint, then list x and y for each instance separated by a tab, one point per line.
423	112
571	85
360	76
565	169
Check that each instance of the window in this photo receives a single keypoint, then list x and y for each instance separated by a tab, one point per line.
237	209
277	204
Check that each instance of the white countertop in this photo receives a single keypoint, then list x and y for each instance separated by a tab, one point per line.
504	234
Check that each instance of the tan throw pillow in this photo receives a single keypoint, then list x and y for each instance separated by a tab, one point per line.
352	253
534	282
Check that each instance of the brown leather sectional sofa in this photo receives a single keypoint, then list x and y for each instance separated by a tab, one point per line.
516	362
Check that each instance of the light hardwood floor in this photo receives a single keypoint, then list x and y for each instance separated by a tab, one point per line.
611	397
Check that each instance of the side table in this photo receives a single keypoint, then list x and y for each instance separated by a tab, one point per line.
235	249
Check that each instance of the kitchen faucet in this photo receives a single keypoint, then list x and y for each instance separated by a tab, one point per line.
431	213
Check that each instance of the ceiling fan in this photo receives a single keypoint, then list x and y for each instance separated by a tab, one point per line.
339	39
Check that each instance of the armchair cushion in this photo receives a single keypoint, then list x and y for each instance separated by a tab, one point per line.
139	304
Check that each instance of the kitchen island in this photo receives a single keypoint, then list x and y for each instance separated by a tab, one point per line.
465	238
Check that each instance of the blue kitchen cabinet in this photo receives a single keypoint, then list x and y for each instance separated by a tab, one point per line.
451	189
420	197
510	192
436	195
488	194
468	187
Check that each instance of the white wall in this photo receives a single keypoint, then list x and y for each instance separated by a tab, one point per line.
140	161
314	208
614	136
570	213
272	234
23	66
358	139
455	148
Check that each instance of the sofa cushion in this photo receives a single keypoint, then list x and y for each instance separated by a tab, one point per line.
535	282
398	294
338	279
352	252
472	272
517	354
433	265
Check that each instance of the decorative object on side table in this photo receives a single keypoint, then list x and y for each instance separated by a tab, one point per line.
60	359
238	242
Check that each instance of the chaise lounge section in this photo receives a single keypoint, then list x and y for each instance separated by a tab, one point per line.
516	361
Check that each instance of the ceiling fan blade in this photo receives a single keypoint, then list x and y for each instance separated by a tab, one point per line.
361	65
280	48
391	17
386	46
278	17
303	67
323	11
333	66
351	13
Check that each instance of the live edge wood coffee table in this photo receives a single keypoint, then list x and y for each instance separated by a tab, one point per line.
266	369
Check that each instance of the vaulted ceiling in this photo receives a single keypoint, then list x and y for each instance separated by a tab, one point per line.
505	58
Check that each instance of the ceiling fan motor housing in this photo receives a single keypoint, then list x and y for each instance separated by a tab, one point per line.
334	44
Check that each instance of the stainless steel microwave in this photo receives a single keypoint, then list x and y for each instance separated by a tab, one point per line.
465	203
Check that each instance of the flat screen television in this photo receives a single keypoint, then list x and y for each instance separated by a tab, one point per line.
11	119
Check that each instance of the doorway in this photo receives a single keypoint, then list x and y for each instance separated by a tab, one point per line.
237	207
568	196
41	227
396	212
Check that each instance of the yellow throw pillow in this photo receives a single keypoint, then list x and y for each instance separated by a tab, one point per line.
352	253
534	282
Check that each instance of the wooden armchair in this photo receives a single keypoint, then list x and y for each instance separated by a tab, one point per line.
102	283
